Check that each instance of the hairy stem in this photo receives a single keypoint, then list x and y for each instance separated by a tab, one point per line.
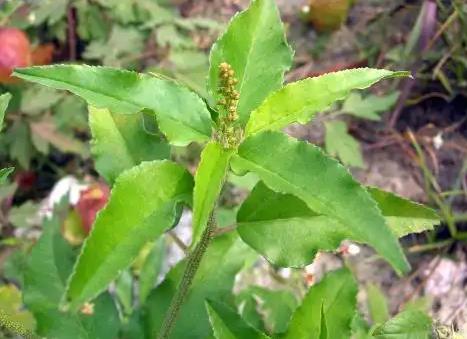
192	265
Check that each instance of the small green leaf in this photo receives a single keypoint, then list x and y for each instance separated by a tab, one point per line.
327	188
377	304
49	265
182	115
142	206
276	306
301	100
24	215
4	100
254	45
209	178
370	106
227	324
339	143
404	216
4	173
332	300
214	280
120	142
124	291
405	325
151	269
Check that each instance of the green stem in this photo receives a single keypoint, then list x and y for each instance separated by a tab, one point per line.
192	265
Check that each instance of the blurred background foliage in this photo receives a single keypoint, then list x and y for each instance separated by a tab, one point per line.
408	137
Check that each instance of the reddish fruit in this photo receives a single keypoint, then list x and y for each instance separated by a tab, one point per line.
43	54
15	51
91	201
328	15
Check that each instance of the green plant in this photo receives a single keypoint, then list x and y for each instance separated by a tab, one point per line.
305	202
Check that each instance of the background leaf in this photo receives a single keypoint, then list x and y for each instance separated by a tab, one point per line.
4	101
120	142
335	298
45	275
303	170
142	206
182	115
377	304
254	45
370	106
301	100
339	143
209	179
405	325
227	324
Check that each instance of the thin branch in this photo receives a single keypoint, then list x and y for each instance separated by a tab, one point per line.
192	266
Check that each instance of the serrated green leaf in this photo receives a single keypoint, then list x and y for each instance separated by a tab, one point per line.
370	106
254	45
301	100
120	142
335	299
404	216
213	281
266	216
209	179
405	325
339	143
142	206
227	324
326	187
4	101
182	115
48	267
377	304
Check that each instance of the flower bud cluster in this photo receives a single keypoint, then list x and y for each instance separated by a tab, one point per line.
229	133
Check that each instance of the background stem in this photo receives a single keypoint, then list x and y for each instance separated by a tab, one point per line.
192	265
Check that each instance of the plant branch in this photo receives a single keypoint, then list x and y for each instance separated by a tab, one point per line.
192	266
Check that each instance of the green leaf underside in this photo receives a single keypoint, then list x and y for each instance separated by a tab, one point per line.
142	206
405	325
302	169
4	100
333	300
377	304
227	324
209	179
214	280
289	234
50	262
256	48
404	216
301	100
339	143
120	142
181	114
